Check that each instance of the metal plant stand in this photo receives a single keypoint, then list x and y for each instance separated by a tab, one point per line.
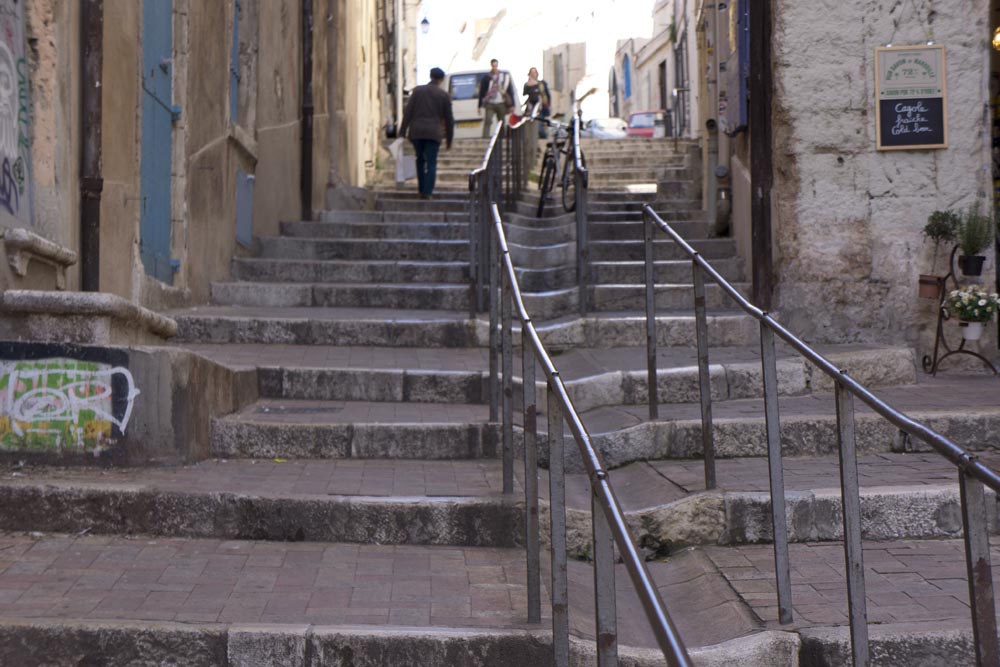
930	364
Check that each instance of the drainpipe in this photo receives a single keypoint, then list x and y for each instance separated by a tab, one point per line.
306	167
91	180
711	123
399	63
721	176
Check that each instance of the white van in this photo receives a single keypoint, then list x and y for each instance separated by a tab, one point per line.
464	90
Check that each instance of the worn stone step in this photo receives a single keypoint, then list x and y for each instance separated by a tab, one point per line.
965	412
455	503
438	231
407	216
420	385
615	230
439	203
349	429
281	247
903	497
619	297
328	326
348	271
365	295
671	271
419	328
634	250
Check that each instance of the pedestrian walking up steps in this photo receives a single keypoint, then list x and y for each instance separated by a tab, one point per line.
353	514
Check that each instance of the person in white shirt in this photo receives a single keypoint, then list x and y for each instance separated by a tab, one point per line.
496	96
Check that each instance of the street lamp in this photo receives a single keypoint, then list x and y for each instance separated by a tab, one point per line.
425	26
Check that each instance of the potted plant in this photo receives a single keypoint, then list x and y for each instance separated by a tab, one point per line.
975	231
941	226
974	306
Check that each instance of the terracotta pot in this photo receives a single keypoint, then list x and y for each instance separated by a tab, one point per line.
972	330
930	286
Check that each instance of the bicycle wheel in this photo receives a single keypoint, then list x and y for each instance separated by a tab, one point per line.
546	181
569	183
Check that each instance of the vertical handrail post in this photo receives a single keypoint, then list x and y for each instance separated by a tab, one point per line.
704	377
782	566
605	604
651	366
582	244
557	530
508	379
977	560
493	244
475	282
531	539
850	499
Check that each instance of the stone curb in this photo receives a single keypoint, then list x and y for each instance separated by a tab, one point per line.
71	643
891	645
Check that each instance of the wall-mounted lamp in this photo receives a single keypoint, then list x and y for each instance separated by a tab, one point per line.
996	39
425	26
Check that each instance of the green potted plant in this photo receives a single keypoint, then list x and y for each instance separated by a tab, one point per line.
974	234
941	226
974	306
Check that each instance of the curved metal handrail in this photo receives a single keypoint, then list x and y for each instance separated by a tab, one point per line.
958	456
663	627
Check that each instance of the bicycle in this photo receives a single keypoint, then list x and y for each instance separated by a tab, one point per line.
561	143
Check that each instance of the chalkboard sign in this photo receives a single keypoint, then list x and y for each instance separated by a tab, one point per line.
911	102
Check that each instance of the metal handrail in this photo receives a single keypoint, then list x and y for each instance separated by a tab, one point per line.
972	475
605	502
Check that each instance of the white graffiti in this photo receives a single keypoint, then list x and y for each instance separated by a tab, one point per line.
8	104
31	398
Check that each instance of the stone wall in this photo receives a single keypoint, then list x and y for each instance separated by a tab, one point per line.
847	218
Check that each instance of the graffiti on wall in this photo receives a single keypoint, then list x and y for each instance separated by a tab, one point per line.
15	116
63	404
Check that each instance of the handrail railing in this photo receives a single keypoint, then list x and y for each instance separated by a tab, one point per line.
610	527
971	473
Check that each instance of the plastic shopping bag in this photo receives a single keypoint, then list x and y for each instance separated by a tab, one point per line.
406	165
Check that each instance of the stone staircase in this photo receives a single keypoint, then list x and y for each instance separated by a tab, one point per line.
352	514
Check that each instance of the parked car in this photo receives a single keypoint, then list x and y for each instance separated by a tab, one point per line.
642	123
604	128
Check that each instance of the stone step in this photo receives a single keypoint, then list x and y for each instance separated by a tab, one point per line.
416	328
359	430
903	497
333	271
670	271
409	229
965	412
663	249
453	503
408	385
635	217
281	247
439	203
433	296
602	229
611	297
413	216
329	326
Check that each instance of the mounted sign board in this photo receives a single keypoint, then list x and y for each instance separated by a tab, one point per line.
911	102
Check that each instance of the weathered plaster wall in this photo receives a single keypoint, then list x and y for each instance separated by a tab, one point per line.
847	218
279	85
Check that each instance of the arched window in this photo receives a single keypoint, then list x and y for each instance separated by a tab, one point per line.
627	75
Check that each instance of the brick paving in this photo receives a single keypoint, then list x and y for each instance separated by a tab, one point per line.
906	581
240	581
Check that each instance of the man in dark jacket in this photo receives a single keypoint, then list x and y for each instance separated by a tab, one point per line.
428	117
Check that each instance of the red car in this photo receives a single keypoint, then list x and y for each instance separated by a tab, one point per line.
641	123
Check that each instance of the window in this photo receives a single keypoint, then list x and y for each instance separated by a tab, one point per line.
557	69
627	75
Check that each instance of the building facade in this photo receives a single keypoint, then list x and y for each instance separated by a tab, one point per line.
154	140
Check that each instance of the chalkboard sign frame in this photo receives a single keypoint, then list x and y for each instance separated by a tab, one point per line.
931	58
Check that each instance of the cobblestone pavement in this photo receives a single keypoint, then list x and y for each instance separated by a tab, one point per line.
905	581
